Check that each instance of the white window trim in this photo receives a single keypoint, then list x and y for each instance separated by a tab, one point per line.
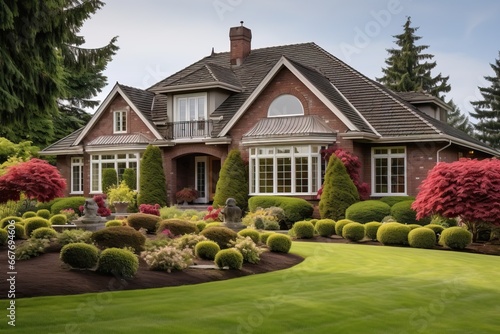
115	161
301	113
254	167
119	114
388	156
177	98
76	162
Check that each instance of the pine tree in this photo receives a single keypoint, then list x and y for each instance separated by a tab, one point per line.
487	111
408	69
152	188
233	182
459	121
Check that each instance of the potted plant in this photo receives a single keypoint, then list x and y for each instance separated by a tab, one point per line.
186	195
120	196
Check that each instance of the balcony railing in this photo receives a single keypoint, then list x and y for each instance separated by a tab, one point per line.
189	129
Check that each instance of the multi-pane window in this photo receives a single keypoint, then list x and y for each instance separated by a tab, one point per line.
120	121
77	175
285	170
389	171
119	162
191	107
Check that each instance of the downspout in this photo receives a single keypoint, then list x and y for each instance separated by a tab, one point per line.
440	150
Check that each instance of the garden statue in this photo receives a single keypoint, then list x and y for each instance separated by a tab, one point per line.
232	215
90	209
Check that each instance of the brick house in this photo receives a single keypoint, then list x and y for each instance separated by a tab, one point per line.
280	106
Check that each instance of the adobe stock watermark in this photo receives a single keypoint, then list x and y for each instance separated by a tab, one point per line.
153	76
222	7
364	35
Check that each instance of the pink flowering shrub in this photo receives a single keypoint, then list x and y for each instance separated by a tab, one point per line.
150	209
213	214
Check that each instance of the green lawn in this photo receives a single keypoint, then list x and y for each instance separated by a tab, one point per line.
339	288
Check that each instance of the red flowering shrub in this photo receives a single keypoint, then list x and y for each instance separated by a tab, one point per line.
213	214
102	210
150	209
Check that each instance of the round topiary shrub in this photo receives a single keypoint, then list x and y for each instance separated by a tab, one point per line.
325	227
221	235
303	229
6	221
368	211
80	255
119	237
58	219
200	225
279	243
230	258
4	236
114	222
391	200
264	236
144	220
438	229
31	224
44	213
393	234
339	225
414	226
177	226
19	231
371	229
403	213
455	237
353	232
44	233
206	249
29	214
422	238
118	262
214	224
253	234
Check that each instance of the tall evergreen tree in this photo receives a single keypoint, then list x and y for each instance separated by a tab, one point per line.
152	181
487	111
233	182
408	69
460	121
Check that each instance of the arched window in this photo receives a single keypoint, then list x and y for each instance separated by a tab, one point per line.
285	105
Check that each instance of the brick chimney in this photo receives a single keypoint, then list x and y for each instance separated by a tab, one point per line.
240	38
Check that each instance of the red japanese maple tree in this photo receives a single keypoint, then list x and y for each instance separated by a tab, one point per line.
469	189
36	179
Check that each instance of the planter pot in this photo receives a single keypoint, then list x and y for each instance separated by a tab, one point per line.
120	207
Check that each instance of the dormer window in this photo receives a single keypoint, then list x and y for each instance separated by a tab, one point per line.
120	121
285	105
190	107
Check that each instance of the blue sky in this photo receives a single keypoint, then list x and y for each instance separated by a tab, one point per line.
158	38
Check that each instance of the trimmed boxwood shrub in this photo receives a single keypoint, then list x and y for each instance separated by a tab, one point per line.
325	227
371	229
414	226
118	262
80	255
144	220
391	200
177	226
303	229
353	231
253	234
221	235
339	225
368	211
44	213
296	209
58	219
422	238
279	243
114	222
438	229
200	225
393	234
264	236
29	214
5	221
403	213
129	176
31	224
119	237
44	233
68	203
229	258
109	178
4	236
455	237
206	249
233	181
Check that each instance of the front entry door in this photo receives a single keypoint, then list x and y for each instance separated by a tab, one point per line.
201	179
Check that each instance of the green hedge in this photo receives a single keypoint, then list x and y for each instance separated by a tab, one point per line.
393	234
371	229
221	235
422	238
353	232
325	227
296	209
368	211
143	220
177	226
404	214
119	237
455	238
68	203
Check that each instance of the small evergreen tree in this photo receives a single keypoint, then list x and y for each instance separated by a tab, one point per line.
152	178
339	192
233	182
109	178
487	111
459	121
130	178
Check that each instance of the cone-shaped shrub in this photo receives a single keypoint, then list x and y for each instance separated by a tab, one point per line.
339	192
233	182
455	237
153	188
109	179
422	238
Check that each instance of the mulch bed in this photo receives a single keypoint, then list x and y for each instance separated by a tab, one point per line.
46	275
